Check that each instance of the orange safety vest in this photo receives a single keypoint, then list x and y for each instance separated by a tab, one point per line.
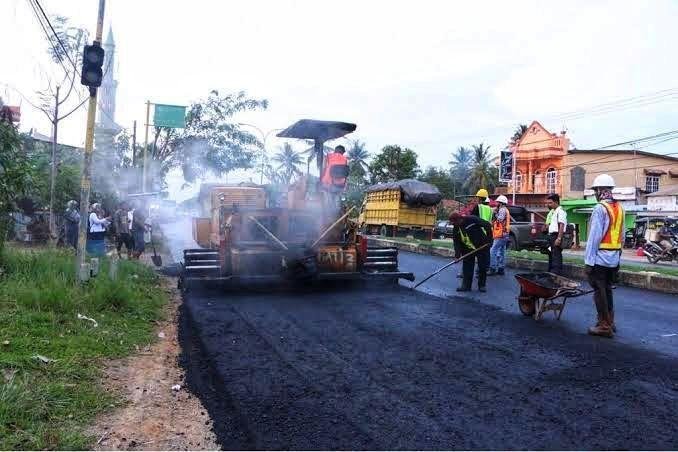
612	240
501	228
334	159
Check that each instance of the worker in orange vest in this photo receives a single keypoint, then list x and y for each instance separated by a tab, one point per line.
501	227
603	252
335	159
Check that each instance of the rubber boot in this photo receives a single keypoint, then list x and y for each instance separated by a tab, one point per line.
602	328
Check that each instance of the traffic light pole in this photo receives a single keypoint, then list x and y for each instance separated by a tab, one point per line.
82	271
144	175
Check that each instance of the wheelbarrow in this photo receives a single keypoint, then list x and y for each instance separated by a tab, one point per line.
542	292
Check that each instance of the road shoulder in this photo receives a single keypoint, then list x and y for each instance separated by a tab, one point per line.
156	416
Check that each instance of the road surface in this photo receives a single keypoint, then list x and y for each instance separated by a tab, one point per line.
392	368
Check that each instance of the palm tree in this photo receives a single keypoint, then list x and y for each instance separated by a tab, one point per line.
357	159
481	169
518	133
288	161
310	153
460	164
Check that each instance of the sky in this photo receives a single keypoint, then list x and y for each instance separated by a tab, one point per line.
429	75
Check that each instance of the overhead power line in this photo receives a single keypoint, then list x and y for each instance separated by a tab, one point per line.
56	35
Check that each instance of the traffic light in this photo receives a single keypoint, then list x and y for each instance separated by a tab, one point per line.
92	63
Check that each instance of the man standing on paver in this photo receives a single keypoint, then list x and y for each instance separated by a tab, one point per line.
603	252
556	221
469	234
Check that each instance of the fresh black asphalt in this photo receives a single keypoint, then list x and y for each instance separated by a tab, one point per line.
391	368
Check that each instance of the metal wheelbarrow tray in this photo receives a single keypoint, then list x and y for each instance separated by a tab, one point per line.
542	292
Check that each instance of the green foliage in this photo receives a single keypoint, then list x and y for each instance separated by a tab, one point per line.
441	179
483	173
357	161
14	175
518	133
67	185
72	38
48	405
288	161
394	163
211	142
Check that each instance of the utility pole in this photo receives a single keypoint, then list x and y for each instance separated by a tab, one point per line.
134	144
513	174
82	270
52	179
145	171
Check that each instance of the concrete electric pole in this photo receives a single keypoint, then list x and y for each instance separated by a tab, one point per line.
82	268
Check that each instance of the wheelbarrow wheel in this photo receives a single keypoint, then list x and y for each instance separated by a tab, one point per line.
527	305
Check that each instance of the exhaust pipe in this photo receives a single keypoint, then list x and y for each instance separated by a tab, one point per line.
647	253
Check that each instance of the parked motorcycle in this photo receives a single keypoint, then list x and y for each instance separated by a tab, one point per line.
655	253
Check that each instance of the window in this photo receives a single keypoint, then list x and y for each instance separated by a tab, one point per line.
551	180
577	179
519	181
651	184
537	182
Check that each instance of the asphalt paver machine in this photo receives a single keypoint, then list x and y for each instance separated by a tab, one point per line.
247	234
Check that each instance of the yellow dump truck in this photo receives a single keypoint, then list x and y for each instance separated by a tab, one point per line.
403	208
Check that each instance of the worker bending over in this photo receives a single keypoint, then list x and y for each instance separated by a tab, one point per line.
603	252
469	234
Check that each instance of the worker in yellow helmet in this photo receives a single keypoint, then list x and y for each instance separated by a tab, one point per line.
483	211
482	208
603	252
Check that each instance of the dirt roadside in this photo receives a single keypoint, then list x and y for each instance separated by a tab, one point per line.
158	415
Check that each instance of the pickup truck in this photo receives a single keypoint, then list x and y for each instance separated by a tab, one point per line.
525	234
529	235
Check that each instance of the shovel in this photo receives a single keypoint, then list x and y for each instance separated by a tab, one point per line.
449	265
157	260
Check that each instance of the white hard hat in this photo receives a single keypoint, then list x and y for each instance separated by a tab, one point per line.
502	199
603	180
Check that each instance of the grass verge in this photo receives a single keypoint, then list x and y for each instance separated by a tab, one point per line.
536	255
49	358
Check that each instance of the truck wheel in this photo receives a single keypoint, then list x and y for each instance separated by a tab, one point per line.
513	243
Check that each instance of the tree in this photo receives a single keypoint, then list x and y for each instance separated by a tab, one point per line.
518	133
482	174
14	175
460	167
66	56
357	160
441	179
67	180
211	143
394	163
289	162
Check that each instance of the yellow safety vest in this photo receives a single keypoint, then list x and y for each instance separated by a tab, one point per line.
485	212
612	239
466	240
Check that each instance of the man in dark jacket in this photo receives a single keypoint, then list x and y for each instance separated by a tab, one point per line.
469	234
